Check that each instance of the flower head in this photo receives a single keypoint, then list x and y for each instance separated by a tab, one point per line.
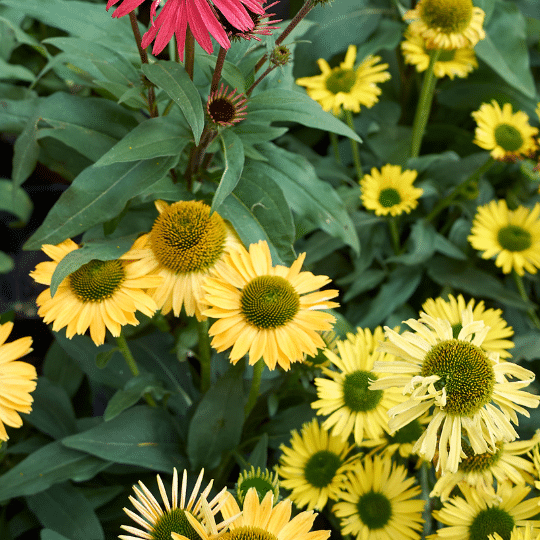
185	245
226	109
264	521
466	386
507	135
273	312
16	380
451	310
447	24
262	25
512	235
390	191
263	481
178	516
475	517
451	63
379	502
480	470
313	467
344	392
199	15
346	86
99	295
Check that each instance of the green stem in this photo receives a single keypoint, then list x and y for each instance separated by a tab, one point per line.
394	233
424	484
255	387
354	146
189	52
132	363
446	201
521	289
218	69
335	147
424	104
205	355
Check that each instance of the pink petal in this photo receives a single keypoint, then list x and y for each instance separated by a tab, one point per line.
181	33
202	20
126	7
166	23
235	13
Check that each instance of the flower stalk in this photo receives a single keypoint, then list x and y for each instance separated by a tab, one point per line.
354	146
424	104
255	387
521	289
205	355
218	69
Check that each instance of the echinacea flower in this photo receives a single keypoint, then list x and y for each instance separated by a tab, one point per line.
507	135
185	245
313	467
100	295
273	312
513	236
159	522
450	63
481	470
390	191
344	393
16	380
466	387
265	521
475	517
262	25
379	502
261	480
226	108
345	86
451	310
447	24
199	15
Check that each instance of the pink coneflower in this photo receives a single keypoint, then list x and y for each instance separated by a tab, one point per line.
226	109
263	26
201	17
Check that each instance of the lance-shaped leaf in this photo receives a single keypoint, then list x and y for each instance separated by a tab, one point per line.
97	195
172	77
233	162
279	104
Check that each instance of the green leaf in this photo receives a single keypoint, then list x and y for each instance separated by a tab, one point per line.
140	436
26	152
102	250
102	358
64	509
444	246
233	163
132	392
422	243
258	210
526	346
47	466
11	71
447	272
259	454
155	137
308	196
400	286
89	125
48	534
97	195
13	199
230	73
52	412
279	104
62	370
505	49
6	263
172	77
216	426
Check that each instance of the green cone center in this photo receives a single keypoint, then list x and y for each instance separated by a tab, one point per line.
96	280
465	372
478	463
514	238
261	481
185	238
173	521
269	302
389	197
491	520
446	15
248	532
356	393
341	80
321	468
508	137
374	509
